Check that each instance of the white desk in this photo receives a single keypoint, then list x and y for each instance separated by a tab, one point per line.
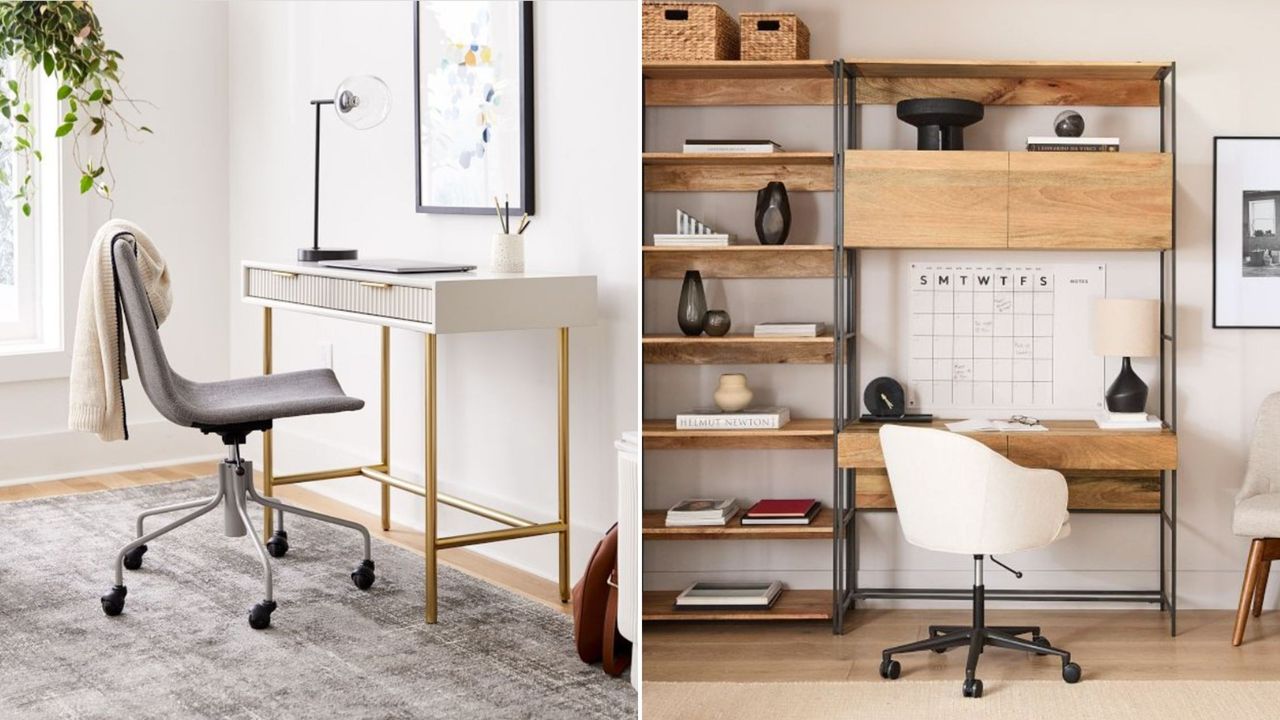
431	304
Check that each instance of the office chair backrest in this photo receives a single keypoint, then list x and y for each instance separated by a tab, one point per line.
1263	472
955	494
162	385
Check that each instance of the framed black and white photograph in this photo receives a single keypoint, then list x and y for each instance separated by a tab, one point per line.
473	105
1246	242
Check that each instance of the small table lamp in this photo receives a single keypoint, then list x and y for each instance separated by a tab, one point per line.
361	102
1128	328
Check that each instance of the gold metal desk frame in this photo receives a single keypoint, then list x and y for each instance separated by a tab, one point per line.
380	471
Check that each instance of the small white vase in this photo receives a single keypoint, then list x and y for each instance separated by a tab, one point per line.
733	394
506	254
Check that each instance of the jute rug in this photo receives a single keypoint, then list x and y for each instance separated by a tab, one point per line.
1001	700
183	647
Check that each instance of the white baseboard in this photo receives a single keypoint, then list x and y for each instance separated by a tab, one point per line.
68	453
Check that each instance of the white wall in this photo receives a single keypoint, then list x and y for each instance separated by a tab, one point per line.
173	183
1225	55
497	409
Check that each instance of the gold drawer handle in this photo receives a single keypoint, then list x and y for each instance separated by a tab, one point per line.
379	285
283	274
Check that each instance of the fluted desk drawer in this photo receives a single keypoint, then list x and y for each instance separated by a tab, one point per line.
368	298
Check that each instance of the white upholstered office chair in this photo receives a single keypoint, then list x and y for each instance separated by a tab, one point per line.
1257	513
956	495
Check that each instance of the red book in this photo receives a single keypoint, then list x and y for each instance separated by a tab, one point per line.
782	508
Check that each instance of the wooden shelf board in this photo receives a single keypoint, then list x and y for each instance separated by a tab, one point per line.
799	434
1013	69
737	70
737	350
655	528
737	172
791	605
741	261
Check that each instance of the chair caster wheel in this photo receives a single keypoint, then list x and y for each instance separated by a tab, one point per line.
278	545
890	669
133	558
1043	642
1071	672
260	615
363	576
972	688
113	601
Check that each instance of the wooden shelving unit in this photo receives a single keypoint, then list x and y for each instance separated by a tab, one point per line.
799	434
737	350
655	528
791	605
737	83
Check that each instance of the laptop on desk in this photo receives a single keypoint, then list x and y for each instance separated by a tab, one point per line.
397	265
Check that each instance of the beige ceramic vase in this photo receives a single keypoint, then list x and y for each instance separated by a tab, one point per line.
733	394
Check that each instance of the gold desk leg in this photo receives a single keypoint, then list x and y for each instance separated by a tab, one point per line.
267	455
432	530
563	462
386	424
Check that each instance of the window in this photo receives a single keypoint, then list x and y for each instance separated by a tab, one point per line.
30	245
1262	217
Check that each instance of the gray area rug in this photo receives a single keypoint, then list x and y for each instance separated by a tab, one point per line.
183	647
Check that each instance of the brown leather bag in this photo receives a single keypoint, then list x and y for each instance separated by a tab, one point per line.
595	610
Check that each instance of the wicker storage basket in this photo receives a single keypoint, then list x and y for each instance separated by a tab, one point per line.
774	36
689	32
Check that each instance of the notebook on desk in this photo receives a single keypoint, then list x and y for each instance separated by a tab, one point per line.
397	265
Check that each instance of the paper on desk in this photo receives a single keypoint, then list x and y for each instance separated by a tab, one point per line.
984	425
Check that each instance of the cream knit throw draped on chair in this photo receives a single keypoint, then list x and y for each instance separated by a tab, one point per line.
97	360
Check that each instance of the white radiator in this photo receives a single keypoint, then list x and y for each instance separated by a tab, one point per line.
629	546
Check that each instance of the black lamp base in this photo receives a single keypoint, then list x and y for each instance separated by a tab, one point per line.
317	254
1128	394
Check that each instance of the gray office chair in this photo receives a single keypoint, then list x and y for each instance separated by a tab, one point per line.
231	410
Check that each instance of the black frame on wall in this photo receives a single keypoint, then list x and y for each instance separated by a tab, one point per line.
1214	246
526	199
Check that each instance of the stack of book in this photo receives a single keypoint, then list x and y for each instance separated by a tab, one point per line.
691	240
702	511
759	418
1128	421
782	512
1073	144
789	329
731	146
735	596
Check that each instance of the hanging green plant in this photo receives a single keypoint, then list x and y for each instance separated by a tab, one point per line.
64	41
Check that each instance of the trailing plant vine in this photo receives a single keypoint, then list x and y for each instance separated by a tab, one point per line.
64	41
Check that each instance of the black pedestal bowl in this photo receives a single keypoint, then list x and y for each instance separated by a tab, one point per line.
940	122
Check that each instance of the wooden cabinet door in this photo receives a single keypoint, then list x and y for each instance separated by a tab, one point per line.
1091	200
921	199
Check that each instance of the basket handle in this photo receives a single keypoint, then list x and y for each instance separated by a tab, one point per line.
768	25
675	14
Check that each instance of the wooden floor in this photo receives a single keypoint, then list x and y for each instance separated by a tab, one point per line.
1108	644
492	571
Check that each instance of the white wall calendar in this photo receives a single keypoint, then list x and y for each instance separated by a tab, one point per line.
1003	338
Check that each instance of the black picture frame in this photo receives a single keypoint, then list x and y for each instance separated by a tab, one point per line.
526	196
1216	322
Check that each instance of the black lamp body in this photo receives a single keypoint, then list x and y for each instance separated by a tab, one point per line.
1128	394
315	253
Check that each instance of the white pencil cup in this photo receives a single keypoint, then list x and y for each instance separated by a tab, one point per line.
506	255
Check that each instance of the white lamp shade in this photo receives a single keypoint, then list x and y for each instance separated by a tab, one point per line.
1126	327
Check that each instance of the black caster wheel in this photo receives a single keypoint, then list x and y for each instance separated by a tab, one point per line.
972	688
1071	673
260	615
278	545
890	669
133	558
113	601
1043	642
363	575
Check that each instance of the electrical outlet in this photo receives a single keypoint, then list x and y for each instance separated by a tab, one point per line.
326	355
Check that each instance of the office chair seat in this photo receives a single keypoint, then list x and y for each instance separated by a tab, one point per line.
264	397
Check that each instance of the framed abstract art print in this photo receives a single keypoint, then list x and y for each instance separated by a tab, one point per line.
473	105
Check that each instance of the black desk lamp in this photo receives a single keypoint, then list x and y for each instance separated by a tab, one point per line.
1126	328
361	102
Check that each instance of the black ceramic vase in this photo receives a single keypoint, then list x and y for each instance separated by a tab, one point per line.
716	323
693	304
773	214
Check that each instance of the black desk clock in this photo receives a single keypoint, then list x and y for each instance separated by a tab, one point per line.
887	402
